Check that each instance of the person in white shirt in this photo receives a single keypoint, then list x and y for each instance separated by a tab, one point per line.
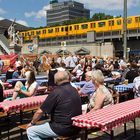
137	85
18	63
30	88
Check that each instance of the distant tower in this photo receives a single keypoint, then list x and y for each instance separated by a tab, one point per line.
53	1
65	10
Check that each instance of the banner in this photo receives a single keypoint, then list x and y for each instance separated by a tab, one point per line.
8	60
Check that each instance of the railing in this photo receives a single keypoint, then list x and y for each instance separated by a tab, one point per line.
4	44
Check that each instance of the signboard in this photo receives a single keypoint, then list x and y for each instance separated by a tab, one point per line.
128	49
63	43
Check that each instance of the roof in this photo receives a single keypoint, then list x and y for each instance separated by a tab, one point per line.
82	51
5	23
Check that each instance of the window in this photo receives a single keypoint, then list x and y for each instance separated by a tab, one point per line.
70	28
119	22
56	29
44	31
84	26
137	19
129	20
111	23
76	27
50	30
32	33
92	25
38	32
66	29
101	24
62	29
22	34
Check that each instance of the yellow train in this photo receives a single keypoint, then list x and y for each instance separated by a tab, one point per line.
115	24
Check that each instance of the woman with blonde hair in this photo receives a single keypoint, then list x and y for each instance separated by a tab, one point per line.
102	96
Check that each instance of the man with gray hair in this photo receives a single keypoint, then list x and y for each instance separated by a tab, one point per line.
62	104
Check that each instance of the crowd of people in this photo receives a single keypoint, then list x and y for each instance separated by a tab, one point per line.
63	101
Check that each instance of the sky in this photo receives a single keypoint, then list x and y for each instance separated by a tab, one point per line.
32	12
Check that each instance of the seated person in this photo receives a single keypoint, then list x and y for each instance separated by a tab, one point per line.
28	90
137	85
62	104
1	93
9	72
102	96
88	87
24	70
17	74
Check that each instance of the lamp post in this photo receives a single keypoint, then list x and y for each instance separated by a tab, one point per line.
125	31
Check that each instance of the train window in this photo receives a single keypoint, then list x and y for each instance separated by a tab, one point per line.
56	29
25	34
66	29
101	24
84	26
119	22
76	27
38	32
137	19
32	33
70	28
111	23
129	20
44	31
28	33
22	34
50	30
62	29
92	25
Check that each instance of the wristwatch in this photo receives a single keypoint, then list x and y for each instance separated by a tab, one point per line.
32	123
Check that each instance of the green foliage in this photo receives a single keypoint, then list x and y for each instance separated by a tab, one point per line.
101	16
74	21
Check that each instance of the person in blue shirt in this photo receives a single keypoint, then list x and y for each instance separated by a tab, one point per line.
88	87
17	73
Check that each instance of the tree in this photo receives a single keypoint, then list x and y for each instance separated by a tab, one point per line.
101	16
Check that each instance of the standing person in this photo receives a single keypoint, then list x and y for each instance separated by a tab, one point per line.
18	63
62	104
1	65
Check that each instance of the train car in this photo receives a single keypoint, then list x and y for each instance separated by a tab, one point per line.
115	24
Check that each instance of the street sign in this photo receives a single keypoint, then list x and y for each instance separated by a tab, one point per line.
63	43
128	49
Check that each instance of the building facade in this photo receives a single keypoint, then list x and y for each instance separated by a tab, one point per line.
64	11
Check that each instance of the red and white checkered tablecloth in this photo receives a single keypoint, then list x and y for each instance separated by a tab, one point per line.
109	117
9	92
24	103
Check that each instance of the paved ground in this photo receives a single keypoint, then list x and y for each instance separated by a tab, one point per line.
118	132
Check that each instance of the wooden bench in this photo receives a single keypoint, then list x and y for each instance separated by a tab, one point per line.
4	123
24	126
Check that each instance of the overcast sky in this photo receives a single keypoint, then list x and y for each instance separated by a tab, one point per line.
32	12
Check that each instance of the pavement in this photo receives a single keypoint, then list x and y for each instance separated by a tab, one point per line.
15	131
118	131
